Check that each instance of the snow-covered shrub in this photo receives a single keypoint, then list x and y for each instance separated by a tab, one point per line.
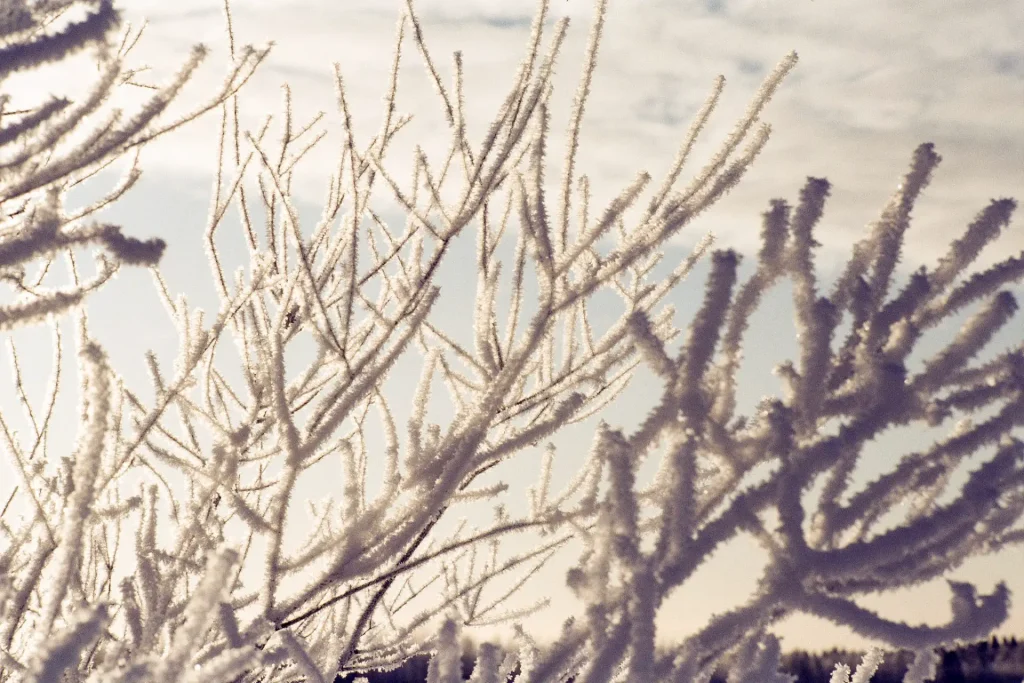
212	591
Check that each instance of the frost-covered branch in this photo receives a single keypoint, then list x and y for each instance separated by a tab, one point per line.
173	542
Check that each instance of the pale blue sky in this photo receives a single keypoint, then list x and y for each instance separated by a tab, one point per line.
875	79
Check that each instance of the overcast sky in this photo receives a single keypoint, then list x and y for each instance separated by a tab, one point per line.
874	80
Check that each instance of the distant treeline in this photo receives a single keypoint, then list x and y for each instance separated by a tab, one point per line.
987	661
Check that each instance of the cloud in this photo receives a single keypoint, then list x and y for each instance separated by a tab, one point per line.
874	81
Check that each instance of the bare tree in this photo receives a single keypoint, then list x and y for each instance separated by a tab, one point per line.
227	599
